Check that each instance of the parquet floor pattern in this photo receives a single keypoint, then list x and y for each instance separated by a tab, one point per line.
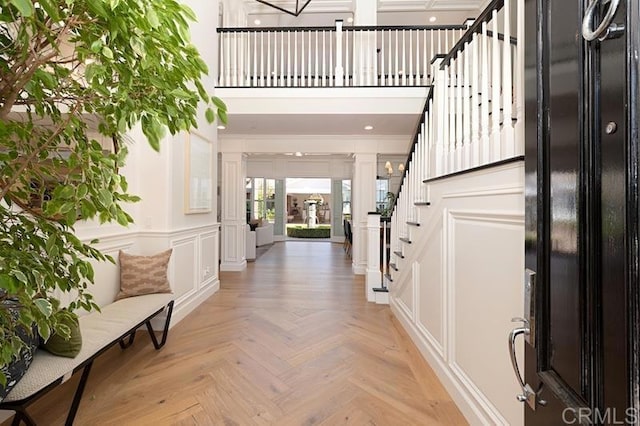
289	341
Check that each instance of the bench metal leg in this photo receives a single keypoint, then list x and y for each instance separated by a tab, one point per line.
75	404
22	416
124	343
165	332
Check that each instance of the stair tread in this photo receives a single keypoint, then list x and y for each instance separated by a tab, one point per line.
405	240
413	223
388	276
422	203
381	289
399	254
393	266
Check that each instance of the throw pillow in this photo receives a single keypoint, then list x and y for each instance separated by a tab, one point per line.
15	370
143	274
60	346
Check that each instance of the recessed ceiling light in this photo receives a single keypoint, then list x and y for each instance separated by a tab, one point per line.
221	127
368	127
298	154
349	19
433	19
257	22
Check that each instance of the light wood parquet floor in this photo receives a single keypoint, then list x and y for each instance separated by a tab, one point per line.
289	341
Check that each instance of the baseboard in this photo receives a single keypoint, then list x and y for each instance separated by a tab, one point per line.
465	402
184	307
187	306
234	267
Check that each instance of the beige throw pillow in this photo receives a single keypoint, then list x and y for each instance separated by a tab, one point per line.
143	274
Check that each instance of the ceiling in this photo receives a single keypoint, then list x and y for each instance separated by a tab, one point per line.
324	124
390	12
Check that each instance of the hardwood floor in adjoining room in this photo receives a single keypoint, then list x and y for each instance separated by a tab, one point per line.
289	341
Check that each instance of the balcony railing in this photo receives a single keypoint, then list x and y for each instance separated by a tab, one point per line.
332	56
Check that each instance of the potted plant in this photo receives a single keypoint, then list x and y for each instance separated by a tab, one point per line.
72	74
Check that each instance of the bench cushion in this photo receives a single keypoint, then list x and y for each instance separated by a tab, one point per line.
98	329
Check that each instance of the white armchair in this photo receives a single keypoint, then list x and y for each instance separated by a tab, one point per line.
264	234
250	248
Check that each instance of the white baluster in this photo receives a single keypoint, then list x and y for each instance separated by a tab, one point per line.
425	59
382	51
254	80
274	72
507	88
410	78
390	68
331	82
227	51
485	95
404	60
466	116
452	116
288	58
283	75
222	81
459	117
347	58
496	153
475	102
397	69
296	82
519	74
309	63
317	62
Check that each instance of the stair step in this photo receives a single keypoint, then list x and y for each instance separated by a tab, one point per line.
422	203
388	276
413	224
405	240
382	289
399	254
393	266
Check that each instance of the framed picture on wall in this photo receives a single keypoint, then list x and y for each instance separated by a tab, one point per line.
198	174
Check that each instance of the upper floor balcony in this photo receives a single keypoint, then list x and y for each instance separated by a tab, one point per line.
339	56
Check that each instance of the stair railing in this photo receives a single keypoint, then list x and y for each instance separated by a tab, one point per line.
349	56
473	115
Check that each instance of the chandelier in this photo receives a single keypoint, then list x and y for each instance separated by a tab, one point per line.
300	5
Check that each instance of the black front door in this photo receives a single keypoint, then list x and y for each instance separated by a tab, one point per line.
581	357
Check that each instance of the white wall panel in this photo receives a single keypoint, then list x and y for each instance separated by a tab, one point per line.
469	252
484	289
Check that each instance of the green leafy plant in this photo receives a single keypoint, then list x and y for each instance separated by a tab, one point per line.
321	231
74	74
387	209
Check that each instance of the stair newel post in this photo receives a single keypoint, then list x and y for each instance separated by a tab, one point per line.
439	116
385	260
373	275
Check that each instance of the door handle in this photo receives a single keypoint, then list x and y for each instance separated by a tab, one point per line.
606	29
528	395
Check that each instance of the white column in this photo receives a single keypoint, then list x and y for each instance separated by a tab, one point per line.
339	71
234	222
363	200
373	276
365	49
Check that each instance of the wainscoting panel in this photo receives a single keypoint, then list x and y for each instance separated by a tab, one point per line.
184	267
483	289
430	320
465	285
208	257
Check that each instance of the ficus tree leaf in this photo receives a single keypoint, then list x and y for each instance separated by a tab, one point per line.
130	62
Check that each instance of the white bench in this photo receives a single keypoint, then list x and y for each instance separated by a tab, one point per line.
117	323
